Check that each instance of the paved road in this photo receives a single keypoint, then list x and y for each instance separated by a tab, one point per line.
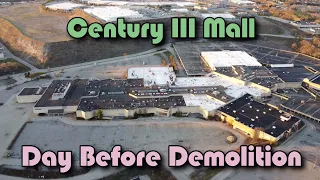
283	36
8	54
112	60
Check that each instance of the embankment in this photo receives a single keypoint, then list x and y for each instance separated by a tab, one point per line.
20	44
53	54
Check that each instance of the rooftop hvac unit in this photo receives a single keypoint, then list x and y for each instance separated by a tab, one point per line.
285	117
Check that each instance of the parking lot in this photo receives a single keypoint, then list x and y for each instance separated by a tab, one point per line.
146	133
194	65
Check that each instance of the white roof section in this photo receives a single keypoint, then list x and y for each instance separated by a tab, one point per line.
203	101
111	13
281	65
233	88
229	58
215	15
242	2
153	75
151	3
63	5
179	10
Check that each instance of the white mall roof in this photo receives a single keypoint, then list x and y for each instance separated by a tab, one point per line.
242	2
63	5
111	13
233	88
204	101
222	15
145	3
229	58
153	75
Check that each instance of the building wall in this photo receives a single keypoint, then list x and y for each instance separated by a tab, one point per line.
247	130
38	110
28	98
253	133
190	109
265	136
67	109
287	85
131	113
267	90
70	109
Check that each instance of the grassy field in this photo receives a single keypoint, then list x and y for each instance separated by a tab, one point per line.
10	66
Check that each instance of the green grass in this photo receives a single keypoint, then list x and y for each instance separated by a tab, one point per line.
36	74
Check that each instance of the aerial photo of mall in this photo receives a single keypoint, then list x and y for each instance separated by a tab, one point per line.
204	95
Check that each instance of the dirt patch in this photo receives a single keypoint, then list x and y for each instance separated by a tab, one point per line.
11	66
41	26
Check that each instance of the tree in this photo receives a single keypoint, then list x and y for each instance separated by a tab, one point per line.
316	41
99	114
125	75
163	62
294	46
173	62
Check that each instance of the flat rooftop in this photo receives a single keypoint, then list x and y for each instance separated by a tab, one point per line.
125	101
316	79
257	115
256	74
63	5
61	86
267	82
229	58
111	13
32	91
292	74
72	97
308	107
80	88
232	89
114	85
206	102
216	15
190	59
153	75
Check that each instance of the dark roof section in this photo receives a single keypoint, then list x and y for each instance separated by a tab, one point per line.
72	97
125	101
292	74
106	94
32	91
254	114
304	106
316	79
267	82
